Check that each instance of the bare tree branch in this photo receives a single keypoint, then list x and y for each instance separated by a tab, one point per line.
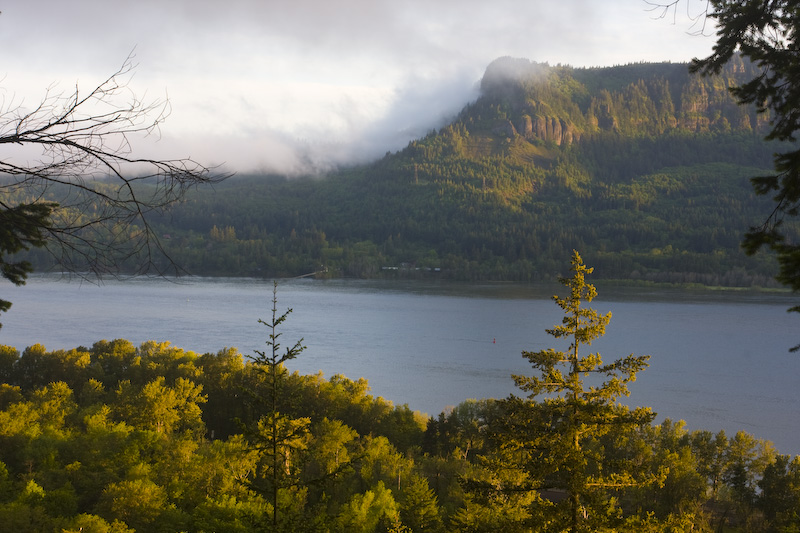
698	19
73	152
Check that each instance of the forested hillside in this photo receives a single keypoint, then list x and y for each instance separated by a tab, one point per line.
644	168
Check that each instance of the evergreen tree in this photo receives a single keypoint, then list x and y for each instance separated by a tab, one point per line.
558	440
419	507
278	437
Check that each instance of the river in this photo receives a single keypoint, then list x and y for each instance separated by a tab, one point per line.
719	359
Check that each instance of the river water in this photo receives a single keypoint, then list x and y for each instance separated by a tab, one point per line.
719	360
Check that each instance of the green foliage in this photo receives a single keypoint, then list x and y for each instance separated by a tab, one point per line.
132	450
779	498
278	438
70	460
765	33
161	408
125	442
366	511
563	447
644	168
419	509
22	227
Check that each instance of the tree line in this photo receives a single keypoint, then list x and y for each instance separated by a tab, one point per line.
122	438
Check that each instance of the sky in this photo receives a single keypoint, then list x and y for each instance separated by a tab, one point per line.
297	86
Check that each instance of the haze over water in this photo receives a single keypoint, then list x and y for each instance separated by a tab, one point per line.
720	360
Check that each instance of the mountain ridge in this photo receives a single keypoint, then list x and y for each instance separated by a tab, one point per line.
654	97
644	168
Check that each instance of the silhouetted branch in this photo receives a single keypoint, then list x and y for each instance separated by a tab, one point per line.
75	149
698	20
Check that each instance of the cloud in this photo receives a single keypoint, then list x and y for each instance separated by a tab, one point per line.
293	86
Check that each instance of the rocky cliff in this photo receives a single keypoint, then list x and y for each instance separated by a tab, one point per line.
560	105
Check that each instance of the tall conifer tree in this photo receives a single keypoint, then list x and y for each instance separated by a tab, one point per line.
278	437
558	440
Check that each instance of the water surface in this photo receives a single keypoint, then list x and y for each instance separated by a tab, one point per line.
719	360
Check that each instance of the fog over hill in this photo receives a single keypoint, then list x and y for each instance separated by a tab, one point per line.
291	87
643	168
